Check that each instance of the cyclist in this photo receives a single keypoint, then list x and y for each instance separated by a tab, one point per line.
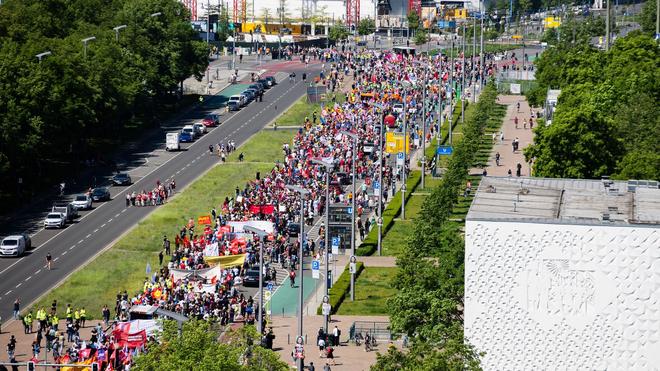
49	260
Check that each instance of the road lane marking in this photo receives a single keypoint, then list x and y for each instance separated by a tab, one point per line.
64	253
37	272
117	215
88	236
19	284
8	292
56	259
71	248
96	230
81	241
109	220
29	277
103	225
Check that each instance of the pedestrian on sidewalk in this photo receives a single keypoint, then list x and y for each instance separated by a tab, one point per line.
497	159
17	307
515	121
518	169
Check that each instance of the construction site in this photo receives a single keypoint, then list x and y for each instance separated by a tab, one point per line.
315	17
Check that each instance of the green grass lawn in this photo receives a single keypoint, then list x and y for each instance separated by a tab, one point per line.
394	241
122	267
372	288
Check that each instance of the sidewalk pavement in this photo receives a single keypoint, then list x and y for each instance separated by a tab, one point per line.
509	159
24	341
348	356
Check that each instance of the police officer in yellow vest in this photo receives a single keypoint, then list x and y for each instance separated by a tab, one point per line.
76	317
69	313
54	321
83	316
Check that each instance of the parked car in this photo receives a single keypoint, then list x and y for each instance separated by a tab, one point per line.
265	83
271	81
82	202
16	245
100	194
172	142
55	220
256	86
188	134
69	211
249	94
235	102
28	241
121	179
211	120
200	129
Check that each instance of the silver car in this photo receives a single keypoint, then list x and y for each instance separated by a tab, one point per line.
54	220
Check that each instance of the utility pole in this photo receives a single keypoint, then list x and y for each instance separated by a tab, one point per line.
380	181
607	26
474	54
481	52
208	31
463	79
451	92
657	18
354	137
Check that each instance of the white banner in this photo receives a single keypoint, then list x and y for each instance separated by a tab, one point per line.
211	249
260	224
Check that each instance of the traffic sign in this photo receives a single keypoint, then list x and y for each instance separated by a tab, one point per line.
270	286
316	266
444	150
376	185
400	157
335	245
349	210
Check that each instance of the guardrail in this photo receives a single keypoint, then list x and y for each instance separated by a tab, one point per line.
379	330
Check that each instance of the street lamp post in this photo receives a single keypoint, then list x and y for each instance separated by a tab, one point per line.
85	41
117	29
303	192
405	84
328	167
353	160
380	178
262	239
463	79
41	55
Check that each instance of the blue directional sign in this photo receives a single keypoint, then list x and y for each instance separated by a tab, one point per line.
270	286
444	150
349	210
316	265
335	241
376	185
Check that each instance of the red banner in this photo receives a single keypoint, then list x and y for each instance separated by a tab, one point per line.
130	340
204	219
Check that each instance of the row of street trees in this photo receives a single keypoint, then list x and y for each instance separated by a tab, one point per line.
79	99
428	305
607	121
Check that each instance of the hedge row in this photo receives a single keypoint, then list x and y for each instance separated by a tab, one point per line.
341	288
370	244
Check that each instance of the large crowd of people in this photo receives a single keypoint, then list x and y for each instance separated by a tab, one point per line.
188	284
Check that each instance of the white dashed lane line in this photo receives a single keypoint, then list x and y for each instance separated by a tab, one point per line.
88	236
71	248
64	253
27	279
56	259
117	215
110	220
38	271
81	241
103	225
96	230
8	292
19	284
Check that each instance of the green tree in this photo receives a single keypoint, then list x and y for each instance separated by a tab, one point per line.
421	37
648	17
197	348
413	20
366	26
338	32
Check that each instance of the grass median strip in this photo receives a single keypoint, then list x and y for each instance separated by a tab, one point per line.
123	266
372	289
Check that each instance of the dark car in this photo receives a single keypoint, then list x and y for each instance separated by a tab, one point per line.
251	277
264	83
271	80
256	86
100	194
121	179
293	229
28	241
211	120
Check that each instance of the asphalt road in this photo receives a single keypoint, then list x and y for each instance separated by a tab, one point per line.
27	278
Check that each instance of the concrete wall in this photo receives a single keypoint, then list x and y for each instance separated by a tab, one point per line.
549	296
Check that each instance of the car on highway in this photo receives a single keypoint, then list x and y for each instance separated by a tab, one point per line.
54	220
15	245
187	134
271	81
69	211
211	120
100	194
121	179
172	142
82	202
200	129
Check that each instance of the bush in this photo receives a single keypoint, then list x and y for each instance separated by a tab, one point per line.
370	244
341	288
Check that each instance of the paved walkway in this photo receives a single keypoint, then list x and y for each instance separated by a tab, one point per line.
509	159
348	356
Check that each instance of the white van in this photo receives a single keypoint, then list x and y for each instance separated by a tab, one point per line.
13	246
172	142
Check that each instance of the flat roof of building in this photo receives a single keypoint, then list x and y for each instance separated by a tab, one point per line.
574	201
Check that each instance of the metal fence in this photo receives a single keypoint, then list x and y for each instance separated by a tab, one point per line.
504	85
379	330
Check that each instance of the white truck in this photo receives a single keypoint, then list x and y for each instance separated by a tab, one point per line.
67	210
172	142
